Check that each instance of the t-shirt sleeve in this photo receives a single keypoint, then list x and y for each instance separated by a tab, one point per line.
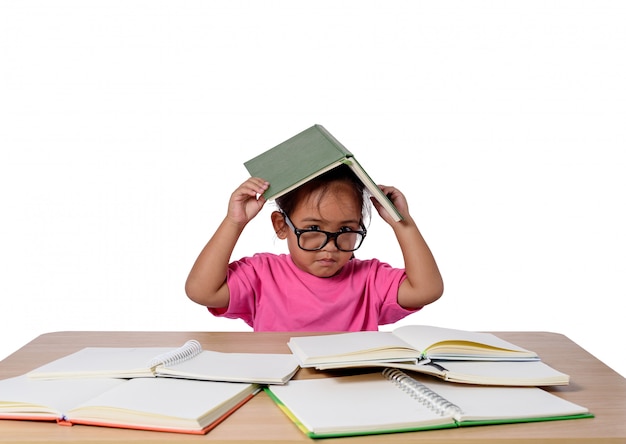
242	281
386	280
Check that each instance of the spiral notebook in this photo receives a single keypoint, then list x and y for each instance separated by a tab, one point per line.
189	361
392	401
158	404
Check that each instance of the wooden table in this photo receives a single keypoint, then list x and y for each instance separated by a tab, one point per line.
593	385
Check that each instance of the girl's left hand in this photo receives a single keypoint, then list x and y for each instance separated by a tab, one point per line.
397	198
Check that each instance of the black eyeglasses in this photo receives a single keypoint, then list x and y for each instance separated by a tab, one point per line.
313	239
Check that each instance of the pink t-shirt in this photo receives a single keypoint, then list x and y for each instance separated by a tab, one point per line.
270	293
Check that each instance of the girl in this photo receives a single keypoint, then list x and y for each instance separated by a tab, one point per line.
319	285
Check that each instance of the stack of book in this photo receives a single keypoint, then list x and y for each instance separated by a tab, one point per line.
450	354
432	378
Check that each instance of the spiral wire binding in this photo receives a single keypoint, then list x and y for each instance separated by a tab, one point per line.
187	351
423	394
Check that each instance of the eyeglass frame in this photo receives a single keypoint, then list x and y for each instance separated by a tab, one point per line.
329	235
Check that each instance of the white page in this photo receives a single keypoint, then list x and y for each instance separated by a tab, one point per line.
53	396
531	371
520	373
161	402
355	403
479	402
102	361
251	367
423	336
347	344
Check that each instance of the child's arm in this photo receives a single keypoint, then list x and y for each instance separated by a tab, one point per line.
423	283
206	283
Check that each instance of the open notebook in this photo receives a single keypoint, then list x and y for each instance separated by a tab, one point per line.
392	401
160	404
188	361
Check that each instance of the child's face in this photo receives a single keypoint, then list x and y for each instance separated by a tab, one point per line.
337	209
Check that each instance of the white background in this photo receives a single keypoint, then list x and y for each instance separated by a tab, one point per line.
124	126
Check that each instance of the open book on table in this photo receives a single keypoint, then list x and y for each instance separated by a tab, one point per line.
512	373
188	361
159	404
392	401
453	355
407	343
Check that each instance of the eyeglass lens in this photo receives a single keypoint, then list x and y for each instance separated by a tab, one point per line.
312	240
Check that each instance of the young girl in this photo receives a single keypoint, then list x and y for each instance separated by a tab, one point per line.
320	285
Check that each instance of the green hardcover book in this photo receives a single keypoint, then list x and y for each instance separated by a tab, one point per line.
304	157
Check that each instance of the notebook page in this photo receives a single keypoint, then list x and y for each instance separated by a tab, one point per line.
235	367
354	403
492	403
101	361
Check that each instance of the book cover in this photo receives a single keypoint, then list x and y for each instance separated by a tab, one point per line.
305	156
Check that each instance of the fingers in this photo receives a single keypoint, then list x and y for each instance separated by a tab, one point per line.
247	200
396	197
390	192
260	186
253	187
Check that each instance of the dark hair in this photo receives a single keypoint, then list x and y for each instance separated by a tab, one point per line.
288	202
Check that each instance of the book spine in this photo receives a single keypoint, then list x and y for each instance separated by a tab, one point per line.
337	144
187	351
423	394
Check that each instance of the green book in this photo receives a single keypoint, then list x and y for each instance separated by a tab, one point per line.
304	157
392	401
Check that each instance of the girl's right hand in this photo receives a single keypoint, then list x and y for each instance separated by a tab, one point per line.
247	200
